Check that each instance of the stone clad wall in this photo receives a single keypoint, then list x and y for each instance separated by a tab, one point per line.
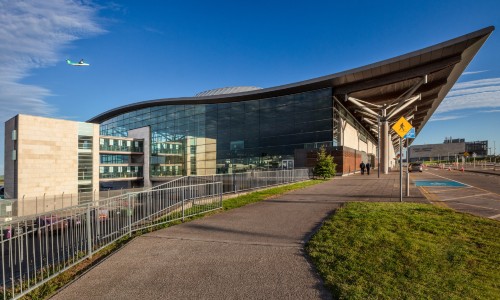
47	156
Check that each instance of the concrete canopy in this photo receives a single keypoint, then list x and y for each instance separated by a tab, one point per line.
430	73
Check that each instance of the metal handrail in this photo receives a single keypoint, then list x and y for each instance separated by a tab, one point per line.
37	248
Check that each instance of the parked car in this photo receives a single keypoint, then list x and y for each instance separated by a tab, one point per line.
11	231
414	167
50	223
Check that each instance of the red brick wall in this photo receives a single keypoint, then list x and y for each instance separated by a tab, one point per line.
347	159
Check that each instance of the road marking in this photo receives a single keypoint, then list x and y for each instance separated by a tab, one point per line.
454	189
450	179
432	198
466	184
466	197
461	203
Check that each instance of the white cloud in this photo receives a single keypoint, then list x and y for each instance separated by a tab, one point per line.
490	111
32	34
444	118
476	94
474	72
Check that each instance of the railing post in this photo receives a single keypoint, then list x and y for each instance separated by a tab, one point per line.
220	188
129	215
234	183
89	233
183	196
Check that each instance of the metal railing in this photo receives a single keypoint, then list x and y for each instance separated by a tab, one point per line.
37	248
122	148
239	182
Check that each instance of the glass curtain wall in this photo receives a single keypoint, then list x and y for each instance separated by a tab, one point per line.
231	137
84	169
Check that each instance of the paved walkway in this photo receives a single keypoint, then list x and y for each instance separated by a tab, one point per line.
256	251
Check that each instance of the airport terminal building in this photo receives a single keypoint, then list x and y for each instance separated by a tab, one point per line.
237	129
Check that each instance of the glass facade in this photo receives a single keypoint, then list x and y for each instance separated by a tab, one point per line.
84	169
120	172
203	139
118	145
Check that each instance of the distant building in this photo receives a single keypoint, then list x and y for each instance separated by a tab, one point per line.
448	150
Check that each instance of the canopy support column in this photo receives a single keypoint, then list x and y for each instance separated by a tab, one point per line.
385	142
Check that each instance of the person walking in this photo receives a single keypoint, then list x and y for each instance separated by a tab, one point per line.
368	166
362	167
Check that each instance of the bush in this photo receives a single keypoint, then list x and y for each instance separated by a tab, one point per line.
325	167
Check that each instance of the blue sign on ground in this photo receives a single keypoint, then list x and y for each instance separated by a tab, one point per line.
410	134
438	183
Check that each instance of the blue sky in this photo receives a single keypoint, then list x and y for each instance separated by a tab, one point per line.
143	50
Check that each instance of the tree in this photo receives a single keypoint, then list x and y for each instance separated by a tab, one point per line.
325	167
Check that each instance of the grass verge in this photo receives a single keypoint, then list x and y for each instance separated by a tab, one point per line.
50	288
265	194
407	251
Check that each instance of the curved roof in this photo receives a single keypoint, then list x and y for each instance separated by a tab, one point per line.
228	90
378	84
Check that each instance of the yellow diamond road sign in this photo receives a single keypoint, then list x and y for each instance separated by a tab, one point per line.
402	127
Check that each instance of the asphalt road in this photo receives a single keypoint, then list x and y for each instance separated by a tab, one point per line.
480	196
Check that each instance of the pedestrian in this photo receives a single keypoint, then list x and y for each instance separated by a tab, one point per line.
362	166
368	166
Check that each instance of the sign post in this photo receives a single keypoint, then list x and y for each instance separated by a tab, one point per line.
408	136
401	127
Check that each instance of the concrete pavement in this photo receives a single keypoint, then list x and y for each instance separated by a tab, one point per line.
256	251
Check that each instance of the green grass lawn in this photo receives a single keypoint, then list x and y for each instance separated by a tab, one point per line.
407	251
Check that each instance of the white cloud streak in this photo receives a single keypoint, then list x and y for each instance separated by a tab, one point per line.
444	118
32	34
491	111
474	72
476	94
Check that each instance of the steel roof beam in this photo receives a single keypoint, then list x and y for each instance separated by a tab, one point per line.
360	105
411	91
403	105
364	113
